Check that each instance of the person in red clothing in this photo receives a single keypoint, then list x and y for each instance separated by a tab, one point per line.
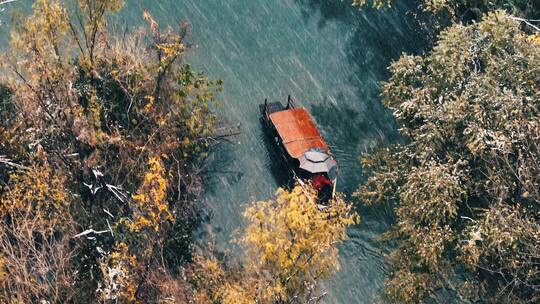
323	186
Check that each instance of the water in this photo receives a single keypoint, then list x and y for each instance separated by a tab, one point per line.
330	58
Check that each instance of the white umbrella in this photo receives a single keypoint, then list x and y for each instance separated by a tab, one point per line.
316	161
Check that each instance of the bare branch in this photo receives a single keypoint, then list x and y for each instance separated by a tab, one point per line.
527	22
2	2
89	231
9	162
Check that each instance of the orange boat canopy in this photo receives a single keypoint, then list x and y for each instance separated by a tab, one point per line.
297	131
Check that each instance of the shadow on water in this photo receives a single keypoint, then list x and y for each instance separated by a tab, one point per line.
273	161
377	38
221	166
329	10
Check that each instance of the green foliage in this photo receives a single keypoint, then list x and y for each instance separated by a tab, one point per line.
465	183
464	10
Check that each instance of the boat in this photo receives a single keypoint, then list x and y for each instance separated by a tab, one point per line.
295	136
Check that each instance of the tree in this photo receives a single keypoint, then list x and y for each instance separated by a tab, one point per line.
447	11
125	125
290	243
37	261
465	180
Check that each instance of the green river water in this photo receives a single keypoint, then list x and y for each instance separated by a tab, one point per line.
330	58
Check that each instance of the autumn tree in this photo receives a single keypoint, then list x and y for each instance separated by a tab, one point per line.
113	127
290	244
465	179
37	261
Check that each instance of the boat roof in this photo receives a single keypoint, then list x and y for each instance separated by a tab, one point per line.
297	131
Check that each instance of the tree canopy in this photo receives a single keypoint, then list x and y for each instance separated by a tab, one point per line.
103	136
290	244
101	139
465	179
464	10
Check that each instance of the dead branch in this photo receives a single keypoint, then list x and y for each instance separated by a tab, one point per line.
527	22
9	162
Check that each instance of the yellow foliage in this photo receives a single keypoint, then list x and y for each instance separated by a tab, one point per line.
535	38
170	50
119	281
75	84
107	5
291	242
37	192
151	199
208	277
91	133
42	41
44	29
40	55
407	287
150	103
214	285
34	254
235	294
373	3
